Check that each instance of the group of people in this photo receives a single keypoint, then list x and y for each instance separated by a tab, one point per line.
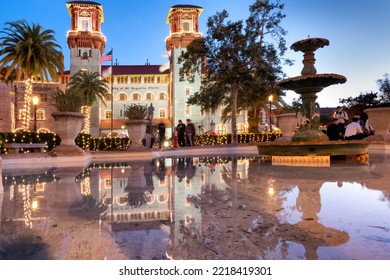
185	133
358	128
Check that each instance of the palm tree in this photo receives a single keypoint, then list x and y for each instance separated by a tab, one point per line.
92	87
32	52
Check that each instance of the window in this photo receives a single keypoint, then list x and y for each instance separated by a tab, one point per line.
40	114
188	110
162	95
122	97
84	24
121	80
149	79
22	114
149	96
109	97
221	129
161	79
107	183
108	114
162	113
188	91
136	96
241	128
135	79
187	25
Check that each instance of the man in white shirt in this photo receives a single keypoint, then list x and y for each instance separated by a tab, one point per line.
354	131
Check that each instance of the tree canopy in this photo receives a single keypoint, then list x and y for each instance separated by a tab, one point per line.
241	62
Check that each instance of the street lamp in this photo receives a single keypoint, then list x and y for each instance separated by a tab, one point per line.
270	98
35	102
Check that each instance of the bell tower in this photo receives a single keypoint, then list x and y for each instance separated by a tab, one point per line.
85	39
183	29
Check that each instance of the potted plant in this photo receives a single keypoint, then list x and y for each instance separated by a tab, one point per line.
380	119
287	122
68	118
136	124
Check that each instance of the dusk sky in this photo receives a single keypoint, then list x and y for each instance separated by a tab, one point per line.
358	32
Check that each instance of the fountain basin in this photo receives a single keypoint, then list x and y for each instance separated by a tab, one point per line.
311	83
313	154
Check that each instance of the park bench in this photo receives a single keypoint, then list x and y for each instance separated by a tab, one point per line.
13	148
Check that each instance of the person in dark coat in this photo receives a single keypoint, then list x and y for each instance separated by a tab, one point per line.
181	133
334	131
190	133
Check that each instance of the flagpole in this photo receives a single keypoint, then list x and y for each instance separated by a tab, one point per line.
112	97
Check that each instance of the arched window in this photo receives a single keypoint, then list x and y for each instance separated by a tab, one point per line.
162	96
122	97
221	129
136	96
149	96
241	128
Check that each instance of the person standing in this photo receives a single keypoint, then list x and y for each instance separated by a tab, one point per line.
342	118
149	134
190	132
161	133
181	133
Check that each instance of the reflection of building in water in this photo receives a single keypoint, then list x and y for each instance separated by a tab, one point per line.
134	194
192	178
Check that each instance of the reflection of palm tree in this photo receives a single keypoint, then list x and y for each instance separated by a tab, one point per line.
31	52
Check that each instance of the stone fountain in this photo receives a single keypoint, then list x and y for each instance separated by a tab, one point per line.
309	145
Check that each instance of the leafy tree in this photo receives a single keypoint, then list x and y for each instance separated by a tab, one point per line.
384	88
241	66
31	52
363	101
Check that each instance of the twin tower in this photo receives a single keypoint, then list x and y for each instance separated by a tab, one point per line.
87	44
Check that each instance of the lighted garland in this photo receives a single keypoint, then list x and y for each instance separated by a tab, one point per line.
223	139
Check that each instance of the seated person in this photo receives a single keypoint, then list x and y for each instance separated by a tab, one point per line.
334	131
354	131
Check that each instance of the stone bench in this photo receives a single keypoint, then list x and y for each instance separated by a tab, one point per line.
13	148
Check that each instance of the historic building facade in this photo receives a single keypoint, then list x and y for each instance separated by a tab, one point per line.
156	85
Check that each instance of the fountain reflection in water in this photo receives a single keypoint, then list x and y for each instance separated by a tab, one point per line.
200	208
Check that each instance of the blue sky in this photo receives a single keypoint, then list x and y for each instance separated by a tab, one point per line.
358	32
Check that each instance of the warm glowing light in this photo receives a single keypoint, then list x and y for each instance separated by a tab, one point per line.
35	100
122	170
34	204
270	98
271	191
166	144
86	110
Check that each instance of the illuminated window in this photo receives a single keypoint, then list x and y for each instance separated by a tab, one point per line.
108	114
161	79
135	79
162	113
136	96
241	128
221	129
121	80
149	79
